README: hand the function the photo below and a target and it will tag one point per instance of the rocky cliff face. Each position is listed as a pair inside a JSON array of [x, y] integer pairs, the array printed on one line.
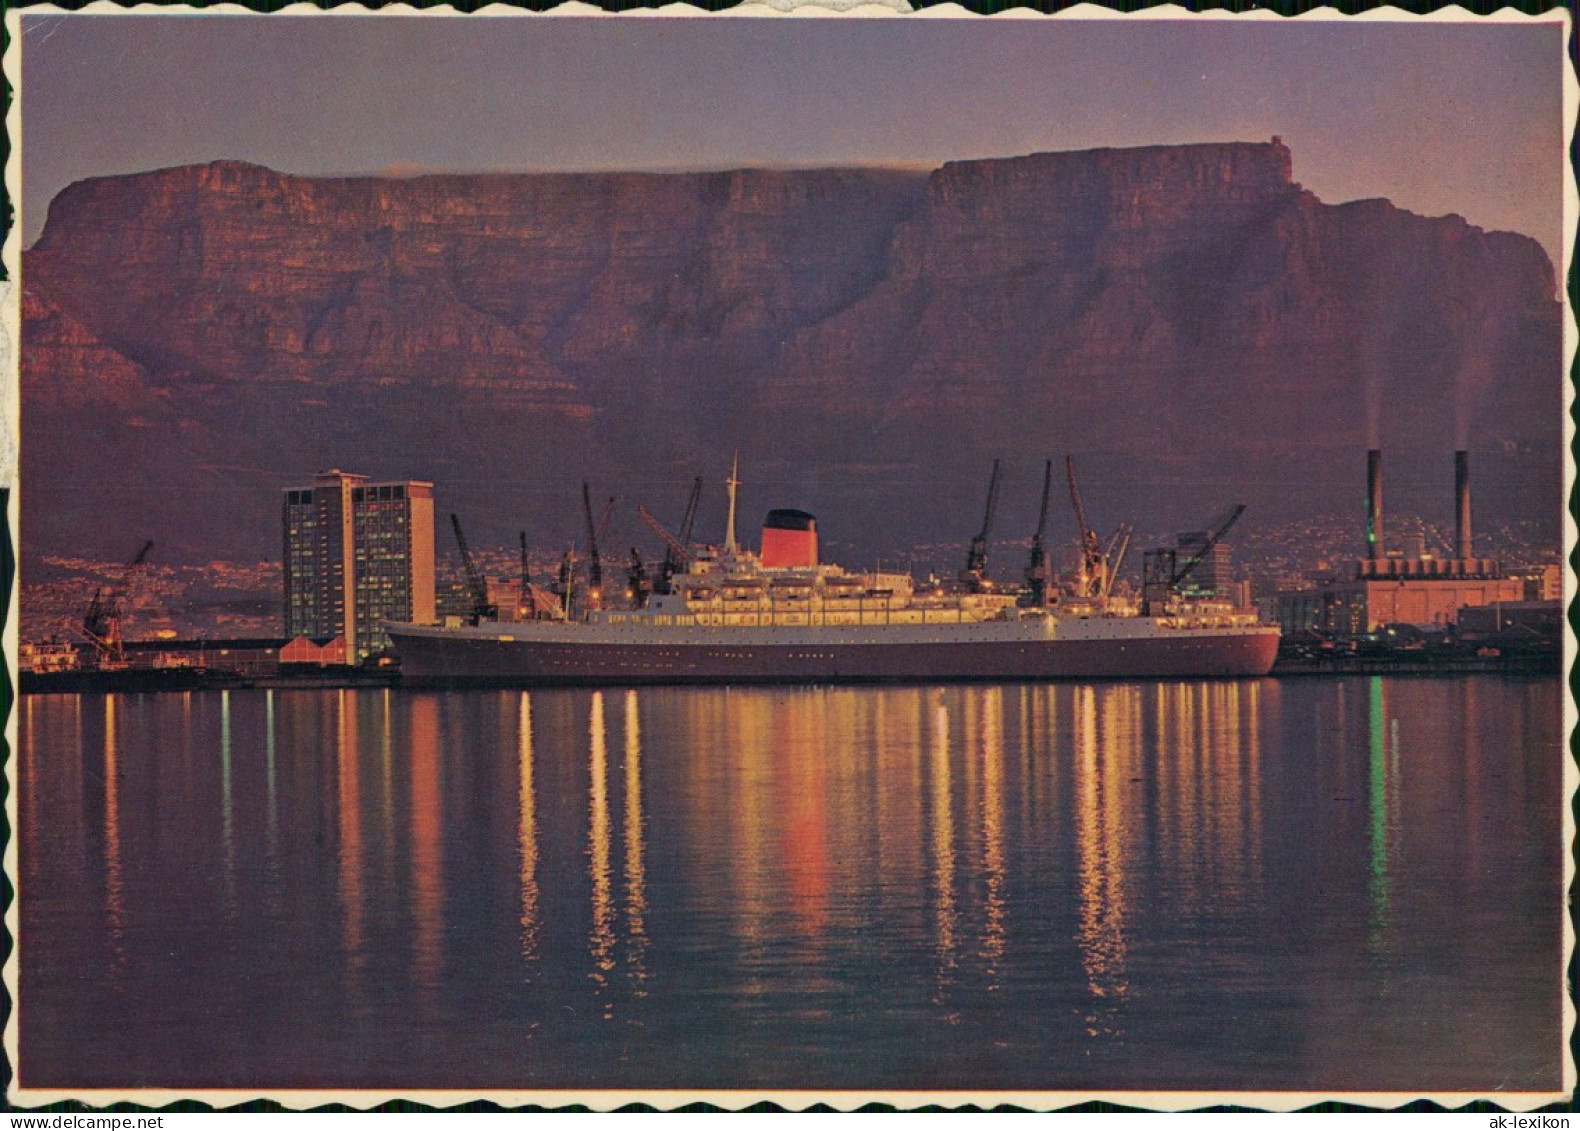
[[1188, 319]]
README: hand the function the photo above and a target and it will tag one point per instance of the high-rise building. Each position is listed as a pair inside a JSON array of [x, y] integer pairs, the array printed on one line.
[[357, 553], [1211, 576]]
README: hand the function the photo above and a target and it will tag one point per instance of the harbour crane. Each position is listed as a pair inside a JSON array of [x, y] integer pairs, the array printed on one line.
[[1037, 567], [690, 519], [1162, 574], [101, 621], [1114, 557], [977, 555], [476, 584], [594, 562], [1220, 528], [536, 603], [636, 580], [678, 556], [1093, 580]]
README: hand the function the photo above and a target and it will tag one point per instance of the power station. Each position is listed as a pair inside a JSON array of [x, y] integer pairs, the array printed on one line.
[[1398, 588]]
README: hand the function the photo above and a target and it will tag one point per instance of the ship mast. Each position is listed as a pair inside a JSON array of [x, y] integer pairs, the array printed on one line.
[[732, 482]]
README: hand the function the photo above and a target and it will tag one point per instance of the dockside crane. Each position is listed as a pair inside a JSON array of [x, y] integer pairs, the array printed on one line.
[[690, 518], [637, 581], [1162, 574], [101, 621], [476, 584], [977, 555], [594, 561], [678, 555], [1093, 581], [1114, 557], [535, 603], [677, 551], [1037, 574]]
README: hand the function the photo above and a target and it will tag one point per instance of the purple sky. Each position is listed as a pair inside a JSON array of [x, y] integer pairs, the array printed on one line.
[[1459, 117]]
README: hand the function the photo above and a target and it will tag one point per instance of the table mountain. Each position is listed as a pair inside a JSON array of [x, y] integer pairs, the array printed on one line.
[[1191, 322]]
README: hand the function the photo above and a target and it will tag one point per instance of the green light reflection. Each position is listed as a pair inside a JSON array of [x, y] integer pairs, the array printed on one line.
[[1377, 813]]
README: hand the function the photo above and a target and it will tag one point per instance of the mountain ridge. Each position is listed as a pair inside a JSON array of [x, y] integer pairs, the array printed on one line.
[[1171, 312]]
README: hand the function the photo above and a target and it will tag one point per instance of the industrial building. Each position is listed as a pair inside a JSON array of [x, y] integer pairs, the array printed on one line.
[[357, 553], [1387, 589]]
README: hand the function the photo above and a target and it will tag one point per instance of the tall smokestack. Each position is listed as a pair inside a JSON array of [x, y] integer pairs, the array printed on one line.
[[1462, 506], [1374, 515]]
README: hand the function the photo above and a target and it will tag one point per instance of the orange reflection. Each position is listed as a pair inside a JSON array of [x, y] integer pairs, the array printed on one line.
[[944, 913], [527, 835], [993, 829], [66, 774], [970, 731], [1187, 773], [1208, 837], [1251, 774], [1221, 757], [350, 824], [806, 812], [635, 879], [114, 894], [900, 723], [427, 846], [601, 940], [1047, 719], [735, 723], [1100, 934], [1027, 779], [1164, 758], [802, 790]]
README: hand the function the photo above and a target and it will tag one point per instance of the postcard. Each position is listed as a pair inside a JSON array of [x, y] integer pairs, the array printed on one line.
[[871, 557]]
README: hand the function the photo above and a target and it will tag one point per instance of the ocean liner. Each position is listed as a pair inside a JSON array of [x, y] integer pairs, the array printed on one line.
[[726, 615]]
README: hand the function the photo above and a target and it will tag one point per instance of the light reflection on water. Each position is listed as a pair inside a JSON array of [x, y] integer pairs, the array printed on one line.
[[1323, 884], [993, 831], [943, 854], [635, 874], [1102, 884], [427, 849], [528, 835], [351, 849], [601, 941], [114, 911]]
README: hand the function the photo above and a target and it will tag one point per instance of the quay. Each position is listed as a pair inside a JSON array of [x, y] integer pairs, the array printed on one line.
[[150, 680]]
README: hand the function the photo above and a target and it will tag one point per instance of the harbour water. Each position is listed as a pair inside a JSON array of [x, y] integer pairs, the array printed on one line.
[[1317, 884]]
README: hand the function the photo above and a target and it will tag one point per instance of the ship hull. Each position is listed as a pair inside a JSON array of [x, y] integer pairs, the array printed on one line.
[[452, 658]]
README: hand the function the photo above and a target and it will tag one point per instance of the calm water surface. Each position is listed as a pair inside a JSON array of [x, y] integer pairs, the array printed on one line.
[[1319, 884]]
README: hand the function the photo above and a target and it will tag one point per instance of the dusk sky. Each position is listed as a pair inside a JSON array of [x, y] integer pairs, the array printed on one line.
[[1439, 118]]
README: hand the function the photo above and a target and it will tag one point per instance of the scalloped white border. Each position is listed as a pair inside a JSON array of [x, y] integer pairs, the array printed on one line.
[[10, 308]]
